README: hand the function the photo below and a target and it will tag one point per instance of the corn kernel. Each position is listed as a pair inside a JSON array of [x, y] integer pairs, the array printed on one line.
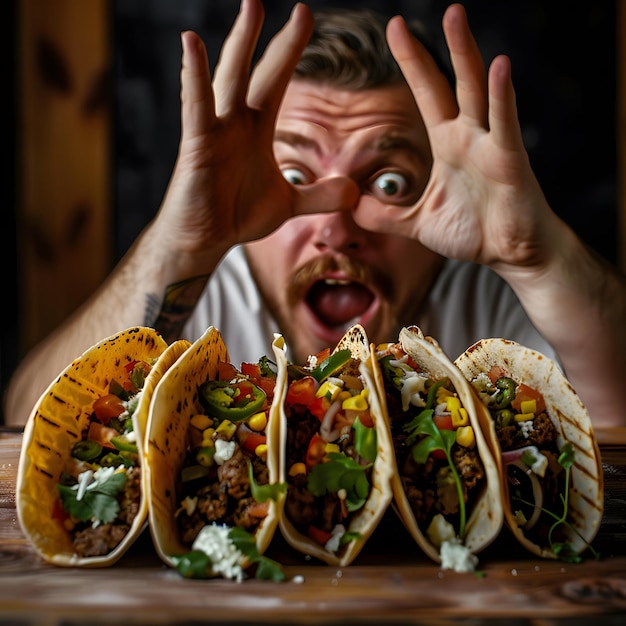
[[207, 442], [227, 428], [201, 422], [442, 395], [261, 451], [524, 417], [460, 417], [258, 421], [328, 388], [297, 468], [356, 403], [208, 433], [331, 447], [528, 406], [465, 437], [344, 395], [452, 403]]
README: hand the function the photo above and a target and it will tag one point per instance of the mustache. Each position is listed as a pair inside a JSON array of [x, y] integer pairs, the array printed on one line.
[[304, 276]]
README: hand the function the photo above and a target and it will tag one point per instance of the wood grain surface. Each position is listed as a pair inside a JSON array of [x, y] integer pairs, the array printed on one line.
[[391, 582]]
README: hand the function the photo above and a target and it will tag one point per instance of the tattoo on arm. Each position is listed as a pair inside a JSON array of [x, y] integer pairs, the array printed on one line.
[[170, 314]]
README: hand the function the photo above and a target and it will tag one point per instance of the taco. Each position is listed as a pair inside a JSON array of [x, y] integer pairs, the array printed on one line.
[[214, 497], [446, 488], [80, 496], [543, 442], [335, 452]]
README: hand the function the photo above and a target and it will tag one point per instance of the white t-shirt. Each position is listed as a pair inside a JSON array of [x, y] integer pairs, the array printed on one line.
[[468, 302]]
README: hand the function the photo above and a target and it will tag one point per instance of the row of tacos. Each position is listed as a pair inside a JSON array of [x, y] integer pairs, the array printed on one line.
[[215, 458]]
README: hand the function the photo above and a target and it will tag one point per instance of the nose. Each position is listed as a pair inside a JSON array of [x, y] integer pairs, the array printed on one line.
[[338, 232]]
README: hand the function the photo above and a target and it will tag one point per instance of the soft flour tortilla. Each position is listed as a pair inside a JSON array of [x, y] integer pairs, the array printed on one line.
[[57, 423], [365, 521], [572, 422], [485, 520], [175, 402]]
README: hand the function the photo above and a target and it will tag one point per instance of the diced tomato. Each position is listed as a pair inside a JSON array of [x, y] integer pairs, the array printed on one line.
[[226, 371], [302, 391], [252, 370], [315, 452], [524, 392], [57, 511], [443, 422], [249, 439], [318, 535], [440, 455], [322, 355], [267, 384], [246, 392], [495, 372], [129, 367], [365, 417], [107, 407], [319, 406], [101, 434]]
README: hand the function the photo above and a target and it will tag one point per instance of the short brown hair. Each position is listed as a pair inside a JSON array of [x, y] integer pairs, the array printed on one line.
[[348, 49]]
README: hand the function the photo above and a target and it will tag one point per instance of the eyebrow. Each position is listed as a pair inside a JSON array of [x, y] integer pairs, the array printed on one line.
[[380, 144], [294, 139]]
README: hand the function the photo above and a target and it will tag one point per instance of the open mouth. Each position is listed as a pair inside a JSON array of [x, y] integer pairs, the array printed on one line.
[[338, 303]]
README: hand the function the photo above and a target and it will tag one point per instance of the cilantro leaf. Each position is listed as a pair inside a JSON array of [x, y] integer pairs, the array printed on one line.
[[99, 500], [262, 493], [341, 472]]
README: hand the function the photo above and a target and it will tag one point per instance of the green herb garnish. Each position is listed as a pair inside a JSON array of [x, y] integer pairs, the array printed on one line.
[[432, 438], [563, 550], [340, 472]]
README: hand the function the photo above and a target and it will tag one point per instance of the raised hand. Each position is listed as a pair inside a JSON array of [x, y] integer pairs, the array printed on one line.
[[226, 187], [482, 202]]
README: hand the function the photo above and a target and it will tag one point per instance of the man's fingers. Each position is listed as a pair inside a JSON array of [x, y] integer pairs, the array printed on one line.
[[196, 94], [233, 67], [430, 87], [276, 67], [468, 65], [336, 193], [503, 119]]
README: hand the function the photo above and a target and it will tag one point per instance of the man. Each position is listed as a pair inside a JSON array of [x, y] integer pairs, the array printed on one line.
[[350, 204]]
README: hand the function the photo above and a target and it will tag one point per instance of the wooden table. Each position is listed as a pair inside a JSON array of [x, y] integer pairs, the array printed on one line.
[[391, 582]]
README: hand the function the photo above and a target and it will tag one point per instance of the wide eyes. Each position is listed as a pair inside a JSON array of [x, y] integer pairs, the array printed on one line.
[[387, 187], [390, 186], [294, 176]]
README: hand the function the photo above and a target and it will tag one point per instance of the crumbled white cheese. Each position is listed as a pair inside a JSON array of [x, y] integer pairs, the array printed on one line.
[[413, 385], [225, 558], [539, 462], [440, 530], [223, 450], [332, 545], [526, 427], [131, 436], [457, 557]]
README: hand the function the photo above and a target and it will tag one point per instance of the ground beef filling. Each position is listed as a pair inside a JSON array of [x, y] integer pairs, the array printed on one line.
[[430, 487], [302, 508], [544, 436], [90, 541], [224, 497]]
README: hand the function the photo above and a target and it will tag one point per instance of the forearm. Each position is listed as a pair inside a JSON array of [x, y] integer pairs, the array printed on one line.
[[147, 288], [579, 304]]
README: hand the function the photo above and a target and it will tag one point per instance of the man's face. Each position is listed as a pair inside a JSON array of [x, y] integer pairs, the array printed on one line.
[[321, 273]]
